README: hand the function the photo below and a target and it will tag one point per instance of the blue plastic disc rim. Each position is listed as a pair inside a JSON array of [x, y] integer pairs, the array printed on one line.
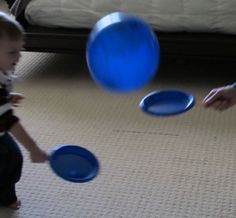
[[186, 100], [82, 153]]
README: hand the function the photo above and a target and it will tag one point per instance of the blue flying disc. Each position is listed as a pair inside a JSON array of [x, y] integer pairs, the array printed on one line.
[[74, 163], [167, 102]]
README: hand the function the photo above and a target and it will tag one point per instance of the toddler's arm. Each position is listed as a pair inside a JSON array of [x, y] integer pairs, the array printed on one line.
[[37, 155]]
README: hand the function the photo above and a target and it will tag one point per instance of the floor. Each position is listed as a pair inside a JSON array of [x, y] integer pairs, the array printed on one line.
[[181, 166]]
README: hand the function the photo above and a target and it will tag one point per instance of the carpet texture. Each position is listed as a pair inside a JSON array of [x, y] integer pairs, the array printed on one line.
[[177, 167], [181, 166]]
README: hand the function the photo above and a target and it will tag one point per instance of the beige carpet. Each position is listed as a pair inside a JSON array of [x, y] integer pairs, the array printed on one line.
[[176, 167], [182, 166]]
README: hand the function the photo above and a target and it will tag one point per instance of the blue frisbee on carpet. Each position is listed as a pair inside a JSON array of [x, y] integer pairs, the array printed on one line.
[[74, 163], [122, 53], [167, 102]]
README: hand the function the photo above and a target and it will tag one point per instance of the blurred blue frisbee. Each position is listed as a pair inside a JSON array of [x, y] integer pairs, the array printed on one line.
[[167, 102], [74, 163]]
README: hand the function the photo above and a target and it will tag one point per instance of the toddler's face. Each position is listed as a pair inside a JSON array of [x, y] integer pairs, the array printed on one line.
[[9, 53]]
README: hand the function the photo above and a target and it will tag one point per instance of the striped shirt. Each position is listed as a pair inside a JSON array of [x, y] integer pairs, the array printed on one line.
[[7, 118]]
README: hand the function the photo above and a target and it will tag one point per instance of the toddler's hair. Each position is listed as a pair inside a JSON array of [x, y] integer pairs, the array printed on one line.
[[10, 28]]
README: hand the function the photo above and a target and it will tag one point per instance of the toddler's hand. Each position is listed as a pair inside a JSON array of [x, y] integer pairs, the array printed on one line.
[[16, 98]]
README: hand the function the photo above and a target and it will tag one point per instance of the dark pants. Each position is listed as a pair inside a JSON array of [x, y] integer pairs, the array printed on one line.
[[11, 161]]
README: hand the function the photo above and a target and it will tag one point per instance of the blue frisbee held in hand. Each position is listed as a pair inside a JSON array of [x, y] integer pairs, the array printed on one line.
[[167, 102], [74, 163], [122, 53]]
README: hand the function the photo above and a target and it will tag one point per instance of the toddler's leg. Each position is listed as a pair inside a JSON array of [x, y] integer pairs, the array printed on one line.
[[11, 161]]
